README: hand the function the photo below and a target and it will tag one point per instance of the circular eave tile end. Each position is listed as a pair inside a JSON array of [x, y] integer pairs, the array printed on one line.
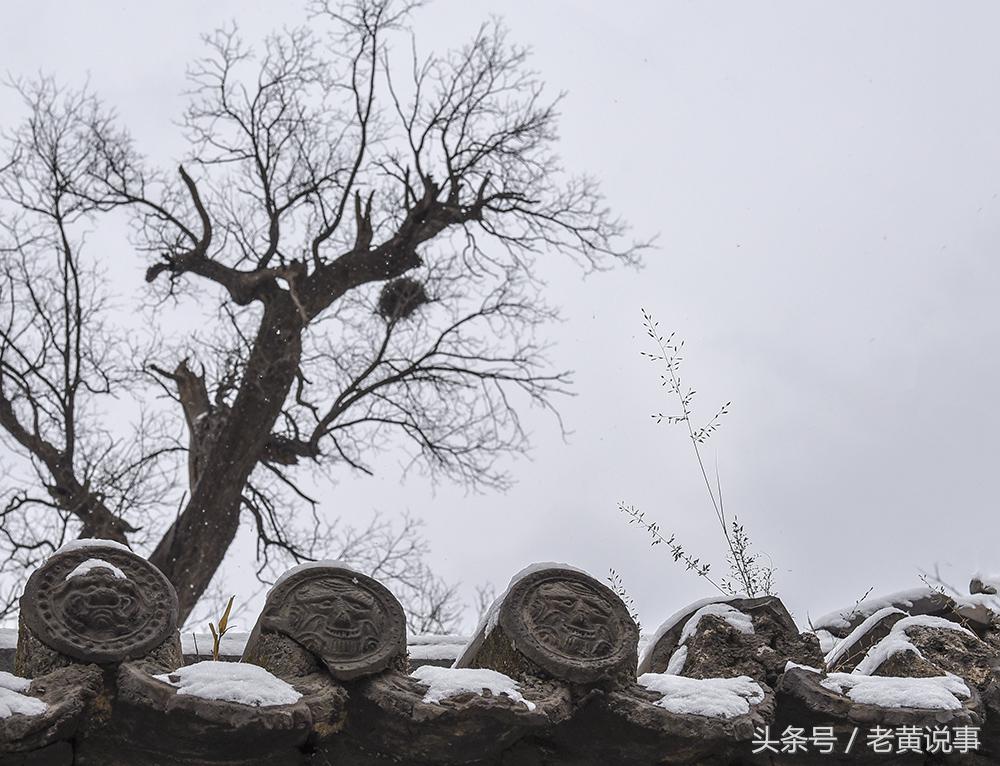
[[570, 625]]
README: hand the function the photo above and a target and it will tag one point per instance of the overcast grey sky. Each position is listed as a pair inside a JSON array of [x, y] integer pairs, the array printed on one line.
[[824, 181]]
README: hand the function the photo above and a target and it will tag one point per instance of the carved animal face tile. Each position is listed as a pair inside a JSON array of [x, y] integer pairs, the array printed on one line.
[[571, 620], [100, 605], [570, 625], [342, 618], [351, 622], [99, 615]]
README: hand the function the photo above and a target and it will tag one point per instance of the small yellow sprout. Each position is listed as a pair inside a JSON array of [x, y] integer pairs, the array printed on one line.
[[223, 627]]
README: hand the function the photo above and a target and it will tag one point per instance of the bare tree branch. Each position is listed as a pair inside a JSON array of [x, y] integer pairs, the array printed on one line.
[[317, 185]]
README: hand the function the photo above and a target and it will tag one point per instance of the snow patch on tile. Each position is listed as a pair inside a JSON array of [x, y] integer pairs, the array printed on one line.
[[934, 693], [713, 697], [335, 563], [13, 702], [978, 607], [674, 619], [435, 651], [852, 638], [675, 666], [92, 542], [91, 564], [13, 683], [792, 665], [436, 646], [734, 617], [436, 638], [694, 613], [443, 683], [238, 682], [841, 619], [827, 641]]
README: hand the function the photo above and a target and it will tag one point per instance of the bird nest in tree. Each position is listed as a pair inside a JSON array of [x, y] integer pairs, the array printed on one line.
[[401, 297]]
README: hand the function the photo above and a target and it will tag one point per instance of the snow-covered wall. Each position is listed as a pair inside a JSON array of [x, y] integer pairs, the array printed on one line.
[[98, 674]]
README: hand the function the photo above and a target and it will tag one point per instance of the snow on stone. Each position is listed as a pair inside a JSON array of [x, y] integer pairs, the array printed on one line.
[[675, 618], [789, 665], [644, 639], [675, 666], [715, 697], [827, 641], [309, 565], [897, 641], [991, 581], [436, 638], [852, 638], [92, 542], [435, 647], [978, 607], [13, 702], [443, 683], [90, 564], [734, 617], [238, 682], [842, 618], [8, 638], [13, 683], [435, 651], [934, 693]]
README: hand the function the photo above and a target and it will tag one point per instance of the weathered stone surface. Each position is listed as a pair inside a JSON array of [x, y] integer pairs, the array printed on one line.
[[67, 693], [388, 716], [992, 640], [982, 585], [98, 615], [943, 651], [804, 702], [282, 656], [347, 620], [327, 702], [717, 649], [847, 656], [980, 612], [919, 601], [56, 754], [643, 732], [549, 633], [190, 729], [34, 658], [558, 623], [990, 734]]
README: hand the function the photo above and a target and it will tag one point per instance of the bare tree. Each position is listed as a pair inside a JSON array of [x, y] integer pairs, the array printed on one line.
[[361, 235], [393, 552]]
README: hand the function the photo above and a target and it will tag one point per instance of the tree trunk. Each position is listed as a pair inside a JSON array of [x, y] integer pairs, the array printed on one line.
[[195, 545]]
